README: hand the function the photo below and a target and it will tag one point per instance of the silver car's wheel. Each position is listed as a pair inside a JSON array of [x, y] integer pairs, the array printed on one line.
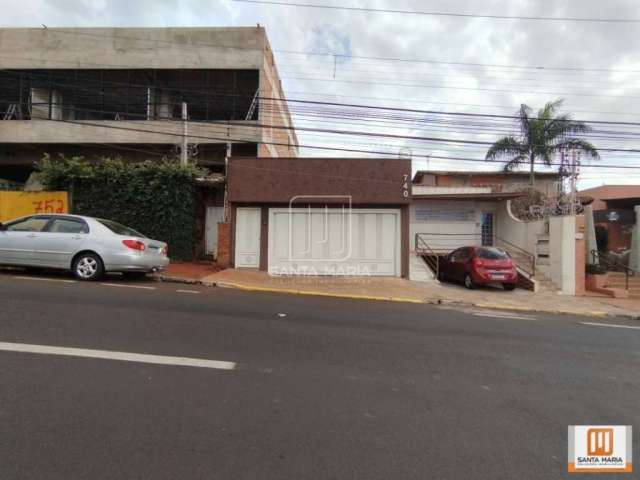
[[88, 266]]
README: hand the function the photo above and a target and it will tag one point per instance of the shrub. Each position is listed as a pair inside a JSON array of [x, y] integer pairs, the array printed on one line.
[[155, 197]]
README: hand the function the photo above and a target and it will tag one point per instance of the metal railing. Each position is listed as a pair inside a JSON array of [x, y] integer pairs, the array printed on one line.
[[529, 264], [613, 266], [441, 244], [431, 258]]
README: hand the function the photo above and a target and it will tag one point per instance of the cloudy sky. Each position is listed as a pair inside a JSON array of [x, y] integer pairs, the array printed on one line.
[[450, 64]]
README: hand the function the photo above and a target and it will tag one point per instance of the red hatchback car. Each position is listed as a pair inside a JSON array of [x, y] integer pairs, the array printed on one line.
[[479, 266]]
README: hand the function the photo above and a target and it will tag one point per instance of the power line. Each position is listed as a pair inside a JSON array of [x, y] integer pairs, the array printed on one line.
[[224, 93], [441, 14], [433, 102], [332, 54], [348, 71], [355, 63], [372, 134], [316, 147], [446, 87]]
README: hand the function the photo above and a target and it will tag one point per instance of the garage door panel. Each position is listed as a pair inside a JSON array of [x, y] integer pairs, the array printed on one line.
[[319, 247], [337, 244], [332, 243], [387, 240], [279, 222], [300, 241]]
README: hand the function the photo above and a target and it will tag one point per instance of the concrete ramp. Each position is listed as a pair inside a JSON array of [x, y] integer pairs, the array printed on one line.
[[419, 271]]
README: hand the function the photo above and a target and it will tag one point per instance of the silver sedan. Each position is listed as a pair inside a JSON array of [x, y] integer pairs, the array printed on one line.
[[87, 246]]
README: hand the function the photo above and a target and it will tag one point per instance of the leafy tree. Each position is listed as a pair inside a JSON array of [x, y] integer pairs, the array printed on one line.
[[541, 137]]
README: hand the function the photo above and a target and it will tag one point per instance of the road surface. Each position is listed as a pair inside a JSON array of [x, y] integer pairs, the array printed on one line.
[[149, 380]]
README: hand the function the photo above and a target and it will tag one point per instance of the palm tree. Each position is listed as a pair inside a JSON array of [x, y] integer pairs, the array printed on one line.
[[540, 138]]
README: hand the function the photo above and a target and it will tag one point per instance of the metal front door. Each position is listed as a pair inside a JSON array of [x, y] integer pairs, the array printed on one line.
[[486, 229], [247, 238]]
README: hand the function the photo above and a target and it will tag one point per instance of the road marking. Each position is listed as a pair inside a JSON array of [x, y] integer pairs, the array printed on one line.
[[45, 279], [502, 315], [187, 291], [127, 286], [122, 356], [611, 325]]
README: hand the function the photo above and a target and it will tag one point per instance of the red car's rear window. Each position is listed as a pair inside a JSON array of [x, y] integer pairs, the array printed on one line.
[[492, 254]]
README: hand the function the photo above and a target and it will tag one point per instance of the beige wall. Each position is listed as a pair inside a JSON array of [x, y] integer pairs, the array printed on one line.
[[233, 48], [521, 234], [460, 232], [94, 131], [281, 141]]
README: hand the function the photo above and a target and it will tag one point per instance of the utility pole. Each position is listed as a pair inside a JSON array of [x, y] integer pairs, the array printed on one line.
[[226, 182], [575, 168], [184, 150]]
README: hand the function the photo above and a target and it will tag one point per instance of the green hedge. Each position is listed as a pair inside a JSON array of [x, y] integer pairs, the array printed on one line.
[[156, 198]]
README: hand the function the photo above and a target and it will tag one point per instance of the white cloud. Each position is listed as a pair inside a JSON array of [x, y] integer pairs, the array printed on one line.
[[485, 41]]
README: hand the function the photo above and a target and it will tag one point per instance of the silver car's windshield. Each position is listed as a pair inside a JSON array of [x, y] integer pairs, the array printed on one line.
[[119, 229]]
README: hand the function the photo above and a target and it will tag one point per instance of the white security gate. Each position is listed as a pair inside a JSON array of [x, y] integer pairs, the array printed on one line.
[[356, 242], [247, 238]]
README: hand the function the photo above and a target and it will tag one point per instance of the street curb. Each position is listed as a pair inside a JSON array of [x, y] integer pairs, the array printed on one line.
[[426, 301], [315, 293], [186, 281], [514, 308]]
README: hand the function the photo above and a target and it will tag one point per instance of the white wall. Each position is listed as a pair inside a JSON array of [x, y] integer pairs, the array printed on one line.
[[448, 217], [562, 255], [515, 231]]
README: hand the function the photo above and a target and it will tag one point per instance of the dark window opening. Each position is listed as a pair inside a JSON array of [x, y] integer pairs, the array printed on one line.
[[128, 94]]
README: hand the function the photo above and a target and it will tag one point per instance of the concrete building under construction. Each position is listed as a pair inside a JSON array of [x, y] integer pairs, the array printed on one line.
[[109, 91], [120, 92]]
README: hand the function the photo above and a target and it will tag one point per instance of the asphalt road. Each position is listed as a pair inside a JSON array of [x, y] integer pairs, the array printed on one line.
[[321, 389]]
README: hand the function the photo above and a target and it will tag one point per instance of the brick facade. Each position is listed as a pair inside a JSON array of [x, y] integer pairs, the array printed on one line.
[[224, 244]]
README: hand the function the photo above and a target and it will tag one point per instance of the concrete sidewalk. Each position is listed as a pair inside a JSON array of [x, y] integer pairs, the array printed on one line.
[[397, 289]]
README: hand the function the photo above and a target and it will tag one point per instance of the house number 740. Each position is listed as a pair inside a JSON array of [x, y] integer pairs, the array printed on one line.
[[405, 185]]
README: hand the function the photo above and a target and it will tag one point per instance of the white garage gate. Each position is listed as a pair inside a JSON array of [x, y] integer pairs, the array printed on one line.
[[334, 241]]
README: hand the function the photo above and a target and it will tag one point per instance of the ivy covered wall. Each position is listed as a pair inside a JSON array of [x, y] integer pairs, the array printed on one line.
[[157, 198]]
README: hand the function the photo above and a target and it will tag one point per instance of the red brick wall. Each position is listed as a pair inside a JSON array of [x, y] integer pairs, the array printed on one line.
[[619, 236], [224, 244], [274, 114]]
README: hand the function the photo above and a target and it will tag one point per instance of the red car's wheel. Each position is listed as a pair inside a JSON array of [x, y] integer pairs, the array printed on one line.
[[469, 283]]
